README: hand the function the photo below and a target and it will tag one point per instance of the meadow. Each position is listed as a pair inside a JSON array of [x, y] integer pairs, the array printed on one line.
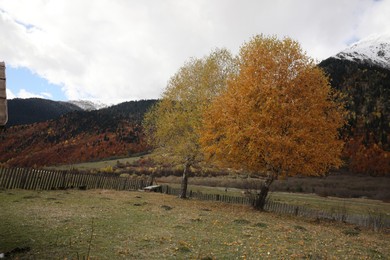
[[337, 184], [108, 224]]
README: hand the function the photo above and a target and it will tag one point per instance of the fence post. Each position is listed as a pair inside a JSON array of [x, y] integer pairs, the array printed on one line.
[[24, 179], [9, 178], [63, 184], [13, 178], [1, 176]]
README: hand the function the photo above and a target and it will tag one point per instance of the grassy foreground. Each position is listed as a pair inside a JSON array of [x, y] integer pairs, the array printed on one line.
[[106, 224]]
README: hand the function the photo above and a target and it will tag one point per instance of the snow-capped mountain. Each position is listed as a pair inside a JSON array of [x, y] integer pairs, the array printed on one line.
[[361, 73], [373, 50], [88, 105]]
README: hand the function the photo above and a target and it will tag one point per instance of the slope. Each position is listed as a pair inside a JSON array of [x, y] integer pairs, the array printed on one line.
[[78, 136], [365, 80], [33, 110]]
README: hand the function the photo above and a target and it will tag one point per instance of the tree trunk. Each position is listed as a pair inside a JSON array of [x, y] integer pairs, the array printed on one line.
[[184, 181], [261, 197]]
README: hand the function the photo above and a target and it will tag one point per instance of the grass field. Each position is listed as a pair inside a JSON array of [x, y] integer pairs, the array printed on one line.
[[342, 185], [95, 165], [359, 206], [106, 224]]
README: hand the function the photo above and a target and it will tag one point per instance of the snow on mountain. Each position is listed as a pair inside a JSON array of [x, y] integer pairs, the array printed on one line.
[[373, 50], [88, 105]]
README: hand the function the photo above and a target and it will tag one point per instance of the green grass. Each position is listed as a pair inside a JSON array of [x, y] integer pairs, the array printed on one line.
[[137, 225], [95, 165], [360, 206], [208, 190], [330, 204]]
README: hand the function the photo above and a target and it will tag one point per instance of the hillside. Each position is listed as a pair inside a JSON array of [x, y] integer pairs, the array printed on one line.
[[34, 110], [361, 74], [373, 50], [76, 137]]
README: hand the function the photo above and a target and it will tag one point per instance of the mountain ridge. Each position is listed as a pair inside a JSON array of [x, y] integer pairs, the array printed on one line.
[[374, 50], [35, 110], [88, 105], [24, 111], [365, 82]]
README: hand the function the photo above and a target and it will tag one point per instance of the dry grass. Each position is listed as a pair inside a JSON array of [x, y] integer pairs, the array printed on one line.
[[91, 166], [135, 225], [342, 185], [360, 206]]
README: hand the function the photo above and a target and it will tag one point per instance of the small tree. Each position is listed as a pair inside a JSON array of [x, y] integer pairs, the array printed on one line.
[[172, 126], [278, 117]]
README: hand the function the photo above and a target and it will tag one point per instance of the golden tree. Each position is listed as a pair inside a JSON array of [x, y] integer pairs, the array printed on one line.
[[278, 116], [173, 125]]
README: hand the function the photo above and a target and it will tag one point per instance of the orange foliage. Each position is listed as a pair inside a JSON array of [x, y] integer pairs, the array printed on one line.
[[370, 159], [34, 145], [278, 116]]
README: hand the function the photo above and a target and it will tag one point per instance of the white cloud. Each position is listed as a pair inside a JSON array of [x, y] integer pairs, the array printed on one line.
[[26, 94], [23, 93], [46, 95], [10, 94], [124, 50], [375, 20]]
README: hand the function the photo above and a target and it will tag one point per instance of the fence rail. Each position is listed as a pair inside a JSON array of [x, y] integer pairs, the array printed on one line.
[[33, 179]]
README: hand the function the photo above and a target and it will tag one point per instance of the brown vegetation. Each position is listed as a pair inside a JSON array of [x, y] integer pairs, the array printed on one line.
[[76, 137]]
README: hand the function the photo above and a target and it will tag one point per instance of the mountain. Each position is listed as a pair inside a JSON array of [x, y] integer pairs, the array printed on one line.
[[77, 136], [34, 110], [88, 105], [374, 50], [362, 73]]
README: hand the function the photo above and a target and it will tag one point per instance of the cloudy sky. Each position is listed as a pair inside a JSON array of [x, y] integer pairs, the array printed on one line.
[[119, 50]]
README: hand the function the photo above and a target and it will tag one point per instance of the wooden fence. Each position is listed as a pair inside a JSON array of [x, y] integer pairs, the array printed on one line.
[[371, 220], [33, 179]]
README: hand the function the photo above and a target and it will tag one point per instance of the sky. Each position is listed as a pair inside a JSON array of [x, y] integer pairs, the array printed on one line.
[[120, 50]]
